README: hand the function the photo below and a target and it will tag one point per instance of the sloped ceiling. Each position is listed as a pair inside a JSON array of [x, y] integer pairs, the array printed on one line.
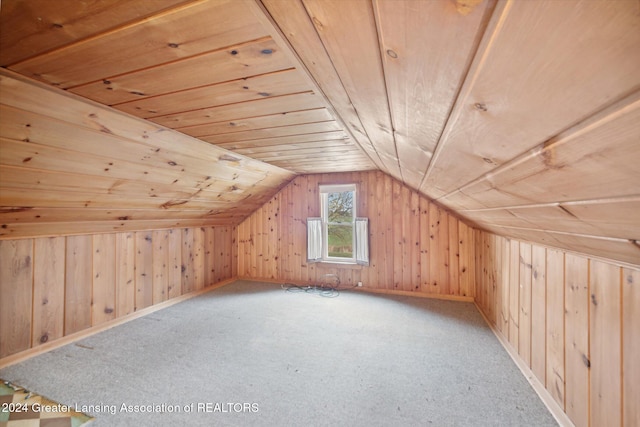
[[521, 116]]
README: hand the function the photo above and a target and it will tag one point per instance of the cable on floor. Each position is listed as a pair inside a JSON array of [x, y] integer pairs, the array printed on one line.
[[324, 289]]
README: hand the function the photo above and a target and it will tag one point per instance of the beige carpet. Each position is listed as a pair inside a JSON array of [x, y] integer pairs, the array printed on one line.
[[252, 354]]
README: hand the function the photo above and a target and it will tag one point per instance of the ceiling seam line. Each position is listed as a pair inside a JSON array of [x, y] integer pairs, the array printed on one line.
[[131, 101], [174, 61], [345, 92], [166, 11], [240, 118], [376, 22], [464, 86]]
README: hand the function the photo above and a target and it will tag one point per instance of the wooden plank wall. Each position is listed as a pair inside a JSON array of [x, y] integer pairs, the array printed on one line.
[[51, 287], [416, 246], [571, 319]]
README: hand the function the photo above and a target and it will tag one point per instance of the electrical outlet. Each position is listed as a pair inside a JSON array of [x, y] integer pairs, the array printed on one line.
[[359, 284]]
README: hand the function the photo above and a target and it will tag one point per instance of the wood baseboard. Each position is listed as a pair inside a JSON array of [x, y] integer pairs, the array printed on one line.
[[371, 290], [68, 339], [556, 411]]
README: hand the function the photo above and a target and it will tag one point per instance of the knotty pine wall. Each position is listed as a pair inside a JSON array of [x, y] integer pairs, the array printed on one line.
[[415, 246], [572, 320], [51, 287]]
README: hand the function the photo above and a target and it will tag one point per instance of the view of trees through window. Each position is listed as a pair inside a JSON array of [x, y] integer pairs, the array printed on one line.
[[340, 224]]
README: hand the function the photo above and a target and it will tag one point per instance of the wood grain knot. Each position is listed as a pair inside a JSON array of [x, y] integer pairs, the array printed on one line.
[[586, 361], [465, 7]]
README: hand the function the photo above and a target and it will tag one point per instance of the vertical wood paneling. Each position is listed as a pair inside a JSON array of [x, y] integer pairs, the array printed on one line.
[[630, 347], [198, 258], [367, 186], [583, 327], [499, 283], [243, 253], [221, 235], [524, 339], [144, 269], [78, 283], [16, 287], [434, 254], [514, 292], [487, 269], [555, 325], [405, 239], [577, 339], [273, 229], [415, 245], [174, 242], [413, 242], [267, 267], [387, 255], [494, 276], [398, 247], [454, 257], [187, 266], [230, 254], [503, 317], [209, 256], [48, 289], [257, 257], [442, 240], [473, 267], [54, 287], [425, 278], [160, 265], [539, 312], [104, 279], [125, 274], [477, 237], [605, 337], [287, 218], [300, 234]]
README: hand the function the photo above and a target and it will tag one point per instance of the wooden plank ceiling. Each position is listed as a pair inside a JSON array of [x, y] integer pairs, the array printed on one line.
[[521, 116]]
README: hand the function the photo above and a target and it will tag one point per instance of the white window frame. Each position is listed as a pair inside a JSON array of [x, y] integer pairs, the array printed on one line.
[[324, 206], [317, 231]]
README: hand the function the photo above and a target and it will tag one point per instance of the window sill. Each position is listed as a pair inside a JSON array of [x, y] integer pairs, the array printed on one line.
[[337, 264]]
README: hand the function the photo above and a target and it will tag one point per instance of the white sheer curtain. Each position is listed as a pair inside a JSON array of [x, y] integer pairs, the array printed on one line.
[[314, 239], [362, 241]]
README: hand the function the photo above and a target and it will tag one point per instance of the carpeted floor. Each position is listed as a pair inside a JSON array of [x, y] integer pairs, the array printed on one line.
[[251, 354]]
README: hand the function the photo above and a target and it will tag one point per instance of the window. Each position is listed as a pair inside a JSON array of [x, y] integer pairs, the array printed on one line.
[[338, 236], [338, 219]]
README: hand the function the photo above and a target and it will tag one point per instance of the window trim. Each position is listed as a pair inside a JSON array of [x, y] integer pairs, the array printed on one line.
[[324, 191]]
